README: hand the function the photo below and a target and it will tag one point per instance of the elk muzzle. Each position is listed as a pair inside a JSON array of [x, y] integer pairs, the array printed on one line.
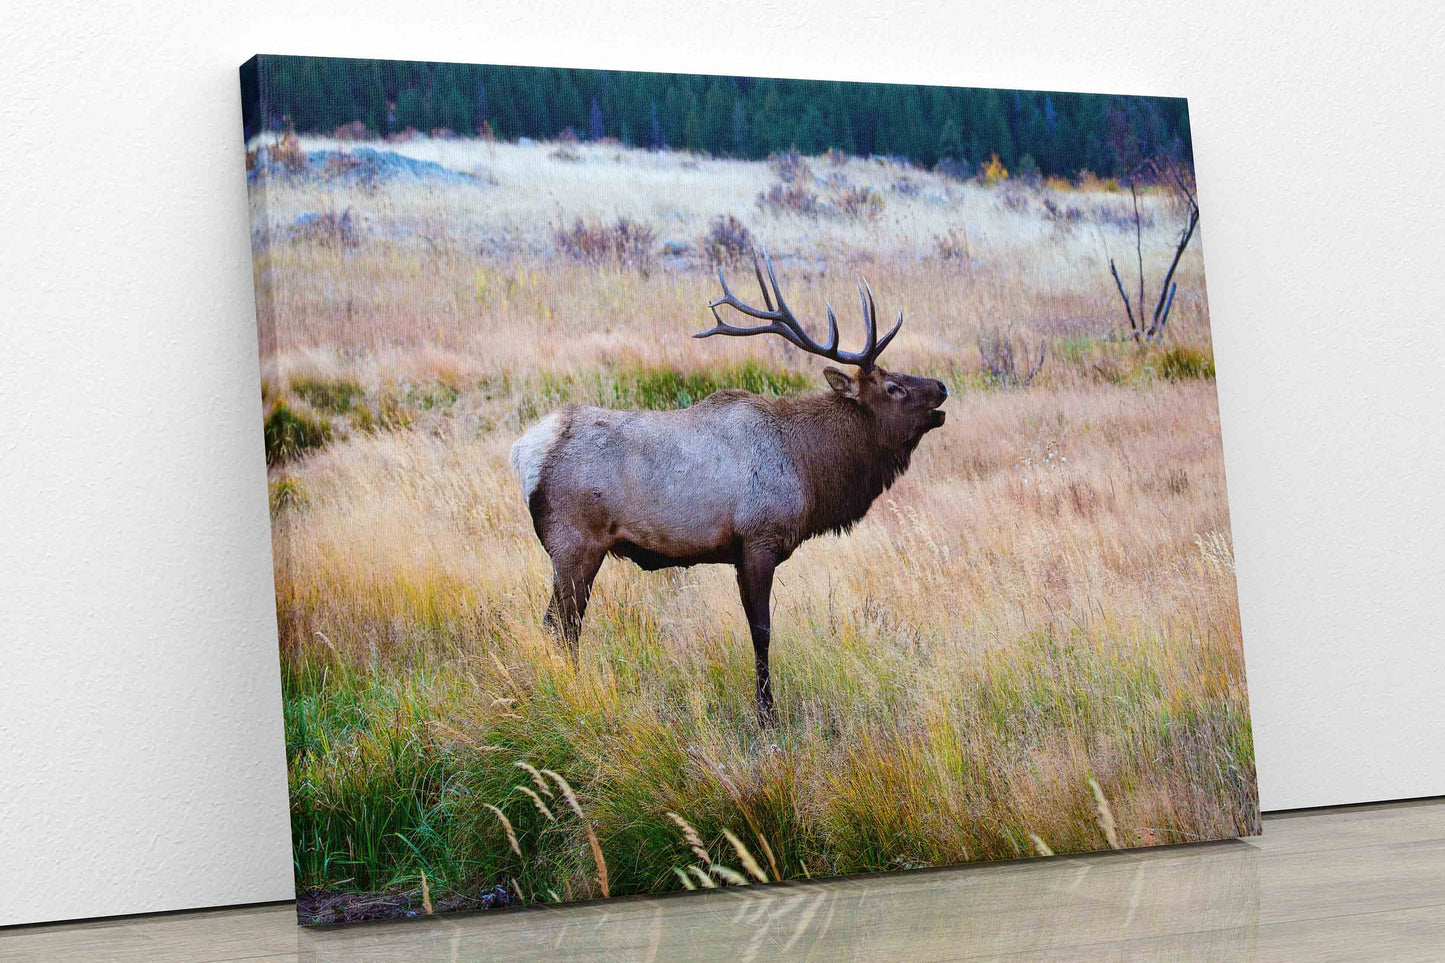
[[938, 417]]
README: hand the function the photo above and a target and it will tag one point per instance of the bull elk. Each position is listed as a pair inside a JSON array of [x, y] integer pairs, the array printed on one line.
[[737, 479]]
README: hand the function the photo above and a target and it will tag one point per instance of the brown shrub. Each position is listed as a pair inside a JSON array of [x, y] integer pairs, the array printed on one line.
[[1008, 365], [785, 198], [1063, 217], [340, 163], [906, 186], [1013, 195], [626, 243], [355, 130], [288, 153], [726, 242], [857, 202], [952, 246], [954, 169], [329, 229], [789, 166]]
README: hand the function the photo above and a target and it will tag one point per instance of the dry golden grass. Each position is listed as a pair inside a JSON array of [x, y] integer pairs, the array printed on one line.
[[1042, 609]]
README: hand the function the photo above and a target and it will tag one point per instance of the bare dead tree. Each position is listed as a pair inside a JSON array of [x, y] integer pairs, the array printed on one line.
[[1163, 169]]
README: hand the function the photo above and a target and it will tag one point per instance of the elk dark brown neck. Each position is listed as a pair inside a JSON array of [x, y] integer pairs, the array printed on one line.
[[843, 456]]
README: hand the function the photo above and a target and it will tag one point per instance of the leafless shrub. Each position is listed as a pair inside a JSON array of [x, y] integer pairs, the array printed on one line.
[[340, 163], [355, 130], [1119, 215], [1013, 195], [1065, 217], [626, 243], [1001, 360], [906, 187], [954, 169], [288, 153], [566, 149], [727, 241], [952, 246], [786, 198], [328, 228], [856, 202], [790, 167]]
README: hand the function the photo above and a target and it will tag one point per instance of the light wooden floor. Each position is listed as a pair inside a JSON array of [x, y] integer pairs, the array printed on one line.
[[1344, 884]]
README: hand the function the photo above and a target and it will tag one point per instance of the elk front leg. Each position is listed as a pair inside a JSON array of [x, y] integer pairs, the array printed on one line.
[[573, 570], [755, 583]]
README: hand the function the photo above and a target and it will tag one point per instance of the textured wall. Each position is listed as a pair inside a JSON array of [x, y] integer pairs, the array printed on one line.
[[140, 732]]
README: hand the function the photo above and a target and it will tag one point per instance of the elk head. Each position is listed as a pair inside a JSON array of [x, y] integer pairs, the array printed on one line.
[[904, 406]]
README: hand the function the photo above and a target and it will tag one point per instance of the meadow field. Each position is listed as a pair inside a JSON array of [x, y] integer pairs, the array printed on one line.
[[1030, 644]]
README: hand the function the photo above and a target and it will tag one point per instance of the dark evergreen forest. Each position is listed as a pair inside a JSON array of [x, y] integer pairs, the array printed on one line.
[[747, 117]]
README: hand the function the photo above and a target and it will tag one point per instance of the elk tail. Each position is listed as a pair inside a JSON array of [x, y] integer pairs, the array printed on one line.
[[529, 453]]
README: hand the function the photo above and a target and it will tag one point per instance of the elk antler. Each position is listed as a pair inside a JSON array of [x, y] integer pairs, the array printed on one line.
[[781, 321]]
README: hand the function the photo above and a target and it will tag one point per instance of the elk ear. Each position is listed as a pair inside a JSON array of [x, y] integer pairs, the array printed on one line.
[[841, 383]]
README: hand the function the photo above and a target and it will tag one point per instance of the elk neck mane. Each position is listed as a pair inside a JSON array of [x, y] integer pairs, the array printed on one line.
[[842, 453]]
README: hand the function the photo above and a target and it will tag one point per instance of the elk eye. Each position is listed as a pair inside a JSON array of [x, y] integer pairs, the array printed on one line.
[[895, 391]]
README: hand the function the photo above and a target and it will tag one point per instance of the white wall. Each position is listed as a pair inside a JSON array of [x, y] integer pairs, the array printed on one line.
[[140, 734]]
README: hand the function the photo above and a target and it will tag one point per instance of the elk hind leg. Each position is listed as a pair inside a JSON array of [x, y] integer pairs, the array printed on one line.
[[574, 567]]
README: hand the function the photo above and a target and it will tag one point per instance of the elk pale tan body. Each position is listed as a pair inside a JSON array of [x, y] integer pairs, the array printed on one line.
[[738, 478]]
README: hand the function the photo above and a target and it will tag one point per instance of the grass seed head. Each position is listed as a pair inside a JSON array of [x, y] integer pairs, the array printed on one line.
[[537, 779], [537, 801], [568, 795], [703, 879], [506, 825], [1106, 816], [690, 835], [745, 857], [728, 875]]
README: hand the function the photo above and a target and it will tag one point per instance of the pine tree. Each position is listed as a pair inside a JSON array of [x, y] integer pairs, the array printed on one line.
[[692, 135], [746, 117], [812, 132], [595, 130], [659, 139], [742, 141], [716, 116], [950, 140], [411, 109]]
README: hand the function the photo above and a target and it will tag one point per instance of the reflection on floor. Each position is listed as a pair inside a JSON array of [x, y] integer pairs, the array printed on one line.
[[1352, 883]]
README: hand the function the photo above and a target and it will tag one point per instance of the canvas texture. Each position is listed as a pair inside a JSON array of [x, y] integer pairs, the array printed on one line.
[[626, 541]]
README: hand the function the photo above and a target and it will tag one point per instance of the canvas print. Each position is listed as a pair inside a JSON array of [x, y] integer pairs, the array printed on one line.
[[684, 482]]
